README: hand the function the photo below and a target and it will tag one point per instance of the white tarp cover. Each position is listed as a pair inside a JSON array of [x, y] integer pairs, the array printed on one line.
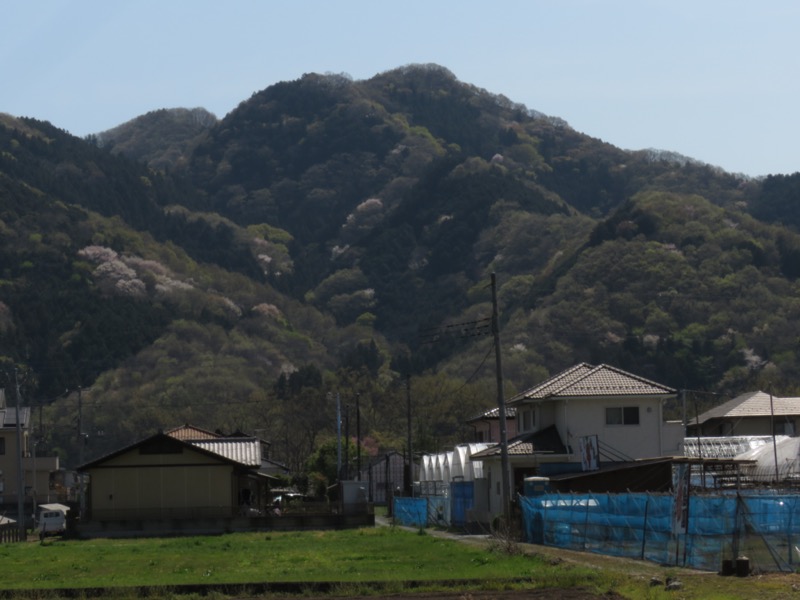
[[55, 506], [787, 450]]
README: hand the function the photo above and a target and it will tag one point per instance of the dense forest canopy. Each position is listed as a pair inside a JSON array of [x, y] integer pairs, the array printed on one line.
[[240, 273]]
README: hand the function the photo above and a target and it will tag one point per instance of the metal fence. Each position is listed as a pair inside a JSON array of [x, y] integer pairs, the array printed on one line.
[[184, 513], [701, 533], [9, 533]]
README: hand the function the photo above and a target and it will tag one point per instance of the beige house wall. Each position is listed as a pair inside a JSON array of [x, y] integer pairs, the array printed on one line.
[[545, 415], [588, 417], [744, 426], [9, 464], [136, 458], [166, 485]]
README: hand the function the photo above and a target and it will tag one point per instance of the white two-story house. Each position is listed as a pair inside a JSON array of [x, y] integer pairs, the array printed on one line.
[[583, 419]]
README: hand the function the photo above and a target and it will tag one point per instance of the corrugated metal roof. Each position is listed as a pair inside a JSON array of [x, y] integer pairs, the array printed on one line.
[[751, 404], [246, 451], [584, 380]]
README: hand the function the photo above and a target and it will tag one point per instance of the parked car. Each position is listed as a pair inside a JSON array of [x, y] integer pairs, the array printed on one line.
[[52, 519]]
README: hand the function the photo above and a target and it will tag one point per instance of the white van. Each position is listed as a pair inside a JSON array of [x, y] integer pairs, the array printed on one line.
[[52, 519]]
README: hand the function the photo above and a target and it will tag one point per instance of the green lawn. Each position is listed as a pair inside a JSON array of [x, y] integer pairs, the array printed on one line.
[[368, 561], [373, 554]]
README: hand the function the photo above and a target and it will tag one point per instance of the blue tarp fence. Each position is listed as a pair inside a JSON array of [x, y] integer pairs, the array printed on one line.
[[436, 510], [762, 526], [410, 512]]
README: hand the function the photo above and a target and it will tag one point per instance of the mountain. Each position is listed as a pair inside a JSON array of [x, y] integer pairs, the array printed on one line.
[[163, 139], [328, 237]]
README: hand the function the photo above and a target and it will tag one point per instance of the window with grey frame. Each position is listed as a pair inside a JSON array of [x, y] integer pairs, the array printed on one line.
[[622, 415]]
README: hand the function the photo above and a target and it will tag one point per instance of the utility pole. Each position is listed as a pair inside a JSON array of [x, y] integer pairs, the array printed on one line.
[[501, 405], [20, 472], [347, 442], [81, 441], [338, 436], [772, 428], [410, 472], [358, 436], [33, 485]]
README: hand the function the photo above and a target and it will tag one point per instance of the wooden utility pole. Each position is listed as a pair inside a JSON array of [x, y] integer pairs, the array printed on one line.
[[20, 471], [81, 443], [410, 472], [338, 436], [358, 436], [501, 406]]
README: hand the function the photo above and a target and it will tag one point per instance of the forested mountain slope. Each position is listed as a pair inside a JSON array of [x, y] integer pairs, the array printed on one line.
[[239, 273], [163, 139]]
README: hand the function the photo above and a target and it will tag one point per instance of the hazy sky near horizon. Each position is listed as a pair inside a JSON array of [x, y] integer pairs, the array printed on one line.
[[715, 80]]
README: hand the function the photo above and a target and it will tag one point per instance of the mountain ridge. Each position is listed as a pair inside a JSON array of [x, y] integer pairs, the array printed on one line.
[[310, 235]]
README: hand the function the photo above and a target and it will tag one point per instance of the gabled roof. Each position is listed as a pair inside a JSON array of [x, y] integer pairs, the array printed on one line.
[[545, 441], [246, 451], [751, 404], [190, 432], [8, 416], [584, 380], [492, 414], [161, 439]]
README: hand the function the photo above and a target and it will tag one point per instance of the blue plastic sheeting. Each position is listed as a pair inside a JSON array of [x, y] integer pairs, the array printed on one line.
[[462, 498], [410, 512], [438, 511], [764, 526]]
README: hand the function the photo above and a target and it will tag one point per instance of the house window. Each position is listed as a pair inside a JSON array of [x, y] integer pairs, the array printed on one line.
[[2, 446], [622, 415], [784, 428], [528, 419]]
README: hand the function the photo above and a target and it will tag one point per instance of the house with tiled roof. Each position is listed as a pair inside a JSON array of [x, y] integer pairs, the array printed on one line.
[[580, 419], [487, 425], [750, 414]]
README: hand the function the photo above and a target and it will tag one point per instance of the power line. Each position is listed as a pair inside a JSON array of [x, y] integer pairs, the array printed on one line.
[[465, 329]]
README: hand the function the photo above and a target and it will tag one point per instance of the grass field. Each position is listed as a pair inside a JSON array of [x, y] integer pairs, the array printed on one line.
[[364, 561], [372, 554]]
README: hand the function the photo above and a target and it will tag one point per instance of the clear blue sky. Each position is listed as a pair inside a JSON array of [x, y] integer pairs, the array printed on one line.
[[716, 80]]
